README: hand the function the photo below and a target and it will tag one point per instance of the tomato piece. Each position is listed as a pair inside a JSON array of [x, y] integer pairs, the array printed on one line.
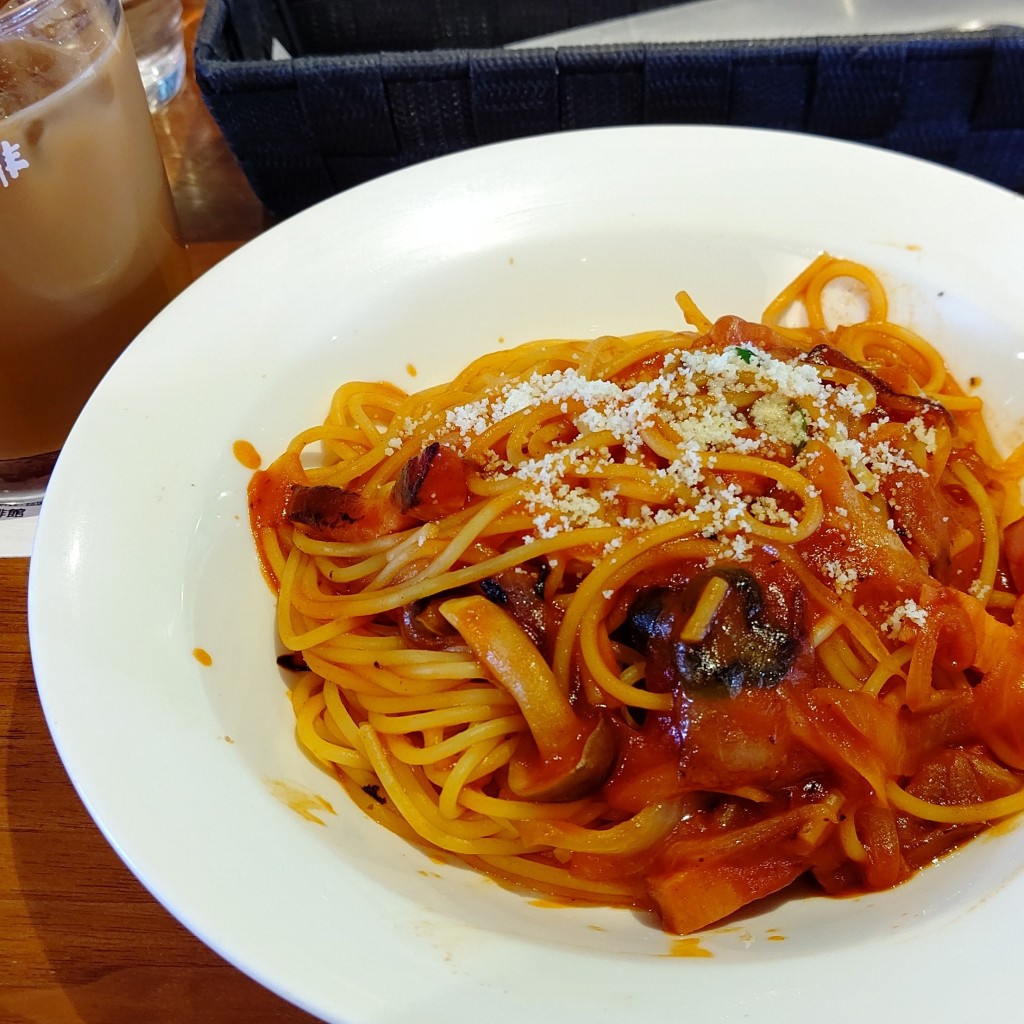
[[432, 485], [999, 699], [921, 515], [742, 741], [268, 494], [853, 534], [876, 829], [735, 332], [648, 769], [851, 732], [962, 776], [698, 895], [269, 491], [709, 872]]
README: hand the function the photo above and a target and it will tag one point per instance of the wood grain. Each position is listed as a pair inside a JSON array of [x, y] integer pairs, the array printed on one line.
[[81, 941]]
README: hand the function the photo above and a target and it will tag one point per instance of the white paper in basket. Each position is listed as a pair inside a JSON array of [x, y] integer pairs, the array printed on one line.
[[786, 19]]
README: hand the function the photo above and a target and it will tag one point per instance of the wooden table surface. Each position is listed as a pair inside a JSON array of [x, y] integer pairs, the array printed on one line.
[[81, 941]]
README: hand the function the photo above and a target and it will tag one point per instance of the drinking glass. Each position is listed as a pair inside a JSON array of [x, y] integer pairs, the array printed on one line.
[[90, 245], [156, 31]]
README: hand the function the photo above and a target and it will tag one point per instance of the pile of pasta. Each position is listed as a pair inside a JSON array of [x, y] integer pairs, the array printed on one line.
[[667, 621]]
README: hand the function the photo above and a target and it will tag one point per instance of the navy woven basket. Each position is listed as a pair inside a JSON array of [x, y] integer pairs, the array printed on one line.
[[375, 85]]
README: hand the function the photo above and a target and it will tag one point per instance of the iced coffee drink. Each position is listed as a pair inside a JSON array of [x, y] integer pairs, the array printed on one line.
[[91, 250]]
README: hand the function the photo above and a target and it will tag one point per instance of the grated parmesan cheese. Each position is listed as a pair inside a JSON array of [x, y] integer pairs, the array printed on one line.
[[736, 401], [907, 613], [844, 578]]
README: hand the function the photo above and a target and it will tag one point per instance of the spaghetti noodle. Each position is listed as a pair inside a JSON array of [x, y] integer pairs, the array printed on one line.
[[668, 620]]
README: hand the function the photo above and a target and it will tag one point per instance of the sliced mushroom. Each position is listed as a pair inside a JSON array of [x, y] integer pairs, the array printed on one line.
[[898, 405], [569, 756], [520, 591], [335, 514], [324, 507], [422, 626], [293, 661], [740, 647]]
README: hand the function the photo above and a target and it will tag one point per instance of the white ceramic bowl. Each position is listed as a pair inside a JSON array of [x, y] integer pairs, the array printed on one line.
[[143, 554]]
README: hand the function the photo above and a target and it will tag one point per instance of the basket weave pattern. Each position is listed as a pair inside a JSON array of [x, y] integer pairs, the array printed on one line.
[[365, 98]]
